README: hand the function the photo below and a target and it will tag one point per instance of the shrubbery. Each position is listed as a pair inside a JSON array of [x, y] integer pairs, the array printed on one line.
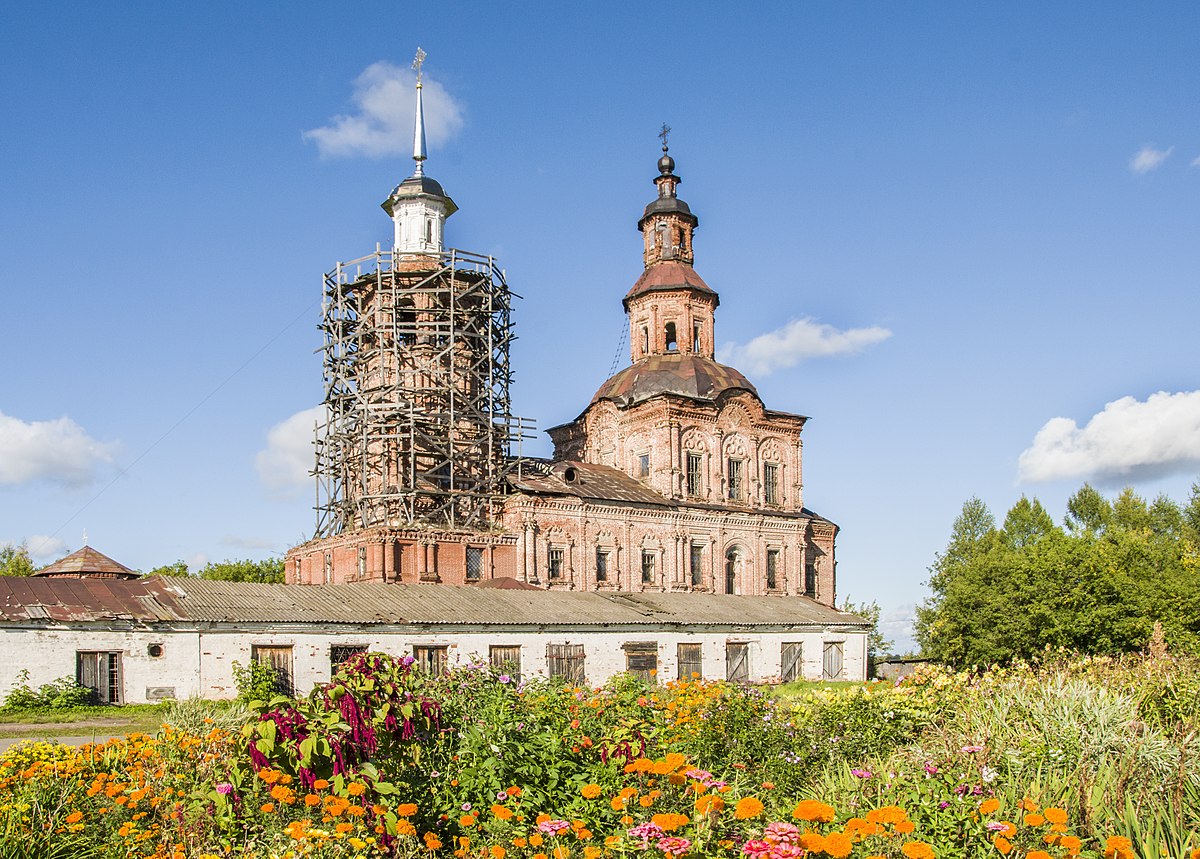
[[61, 694]]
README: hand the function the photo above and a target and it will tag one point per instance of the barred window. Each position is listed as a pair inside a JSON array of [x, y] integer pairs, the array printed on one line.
[[474, 563], [648, 561], [556, 562], [772, 569], [733, 473], [696, 564], [602, 565], [694, 463], [771, 483]]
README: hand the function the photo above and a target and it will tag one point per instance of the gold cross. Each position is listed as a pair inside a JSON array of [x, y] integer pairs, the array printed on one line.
[[417, 62]]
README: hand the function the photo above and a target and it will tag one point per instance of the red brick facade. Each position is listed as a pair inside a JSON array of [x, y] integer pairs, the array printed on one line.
[[674, 478]]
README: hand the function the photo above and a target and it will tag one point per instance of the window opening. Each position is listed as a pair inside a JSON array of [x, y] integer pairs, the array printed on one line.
[[733, 472], [556, 562], [643, 465], [694, 464], [696, 564], [362, 562], [641, 660], [672, 340], [645, 340], [566, 661], [100, 671], [506, 658], [810, 580], [696, 337], [772, 569], [648, 566], [279, 659], [328, 567], [339, 653], [602, 565], [731, 564], [689, 661], [474, 563], [771, 483], [430, 659]]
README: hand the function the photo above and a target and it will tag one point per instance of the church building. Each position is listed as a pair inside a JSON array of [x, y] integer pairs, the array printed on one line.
[[675, 477]]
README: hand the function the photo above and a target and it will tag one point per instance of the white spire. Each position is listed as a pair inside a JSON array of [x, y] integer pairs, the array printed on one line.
[[419, 130]]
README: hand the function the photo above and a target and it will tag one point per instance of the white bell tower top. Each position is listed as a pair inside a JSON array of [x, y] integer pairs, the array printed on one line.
[[418, 205]]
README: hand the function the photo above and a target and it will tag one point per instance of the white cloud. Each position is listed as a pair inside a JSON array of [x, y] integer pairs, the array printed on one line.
[[1128, 439], [896, 625], [1148, 158], [284, 464], [45, 549], [59, 451], [385, 102], [1196, 162], [798, 341]]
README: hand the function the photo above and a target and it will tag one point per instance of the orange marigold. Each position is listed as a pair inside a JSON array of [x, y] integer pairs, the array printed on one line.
[[669, 822], [917, 850], [406, 809], [590, 791], [356, 788], [562, 851], [1037, 854], [905, 827], [646, 801], [466, 820], [592, 852], [502, 812], [747, 807], [813, 842], [343, 828], [1073, 845], [1118, 847], [838, 845], [1056, 815], [813, 811], [432, 842], [1002, 844], [497, 851], [1034, 820], [989, 805]]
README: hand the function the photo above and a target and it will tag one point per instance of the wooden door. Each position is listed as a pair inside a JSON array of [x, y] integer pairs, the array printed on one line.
[[831, 668], [737, 662], [278, 658], [791, 660]]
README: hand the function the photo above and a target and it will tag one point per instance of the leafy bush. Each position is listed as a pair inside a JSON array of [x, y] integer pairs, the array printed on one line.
[[255, 682], [61, 694]]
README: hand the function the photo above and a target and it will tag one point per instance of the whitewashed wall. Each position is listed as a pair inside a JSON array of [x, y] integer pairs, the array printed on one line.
[[201, 662]]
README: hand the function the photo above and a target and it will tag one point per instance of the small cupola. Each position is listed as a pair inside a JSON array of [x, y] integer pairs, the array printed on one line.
[[667, 223], [419, 206]]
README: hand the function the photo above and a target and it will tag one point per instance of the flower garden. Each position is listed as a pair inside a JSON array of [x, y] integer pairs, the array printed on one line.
[[1082, 757]]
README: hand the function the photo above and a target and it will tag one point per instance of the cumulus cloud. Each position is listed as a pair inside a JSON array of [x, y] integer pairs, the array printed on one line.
[[59, 451], [44, 549], [1128, 439], [1148, 158], [798, 341], [382, 123], [284, 464], [896, 625]]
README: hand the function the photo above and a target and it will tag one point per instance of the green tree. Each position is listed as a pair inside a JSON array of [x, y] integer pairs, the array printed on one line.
[[269, 571], [15, 561], [1088, 511], [870, 611], [177, 570]]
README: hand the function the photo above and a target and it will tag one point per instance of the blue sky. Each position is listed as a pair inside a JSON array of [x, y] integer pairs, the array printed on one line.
[[952, 234]]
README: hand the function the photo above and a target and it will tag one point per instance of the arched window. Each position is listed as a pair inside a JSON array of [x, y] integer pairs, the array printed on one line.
[[733, 559], [645, 340], [672, 340]]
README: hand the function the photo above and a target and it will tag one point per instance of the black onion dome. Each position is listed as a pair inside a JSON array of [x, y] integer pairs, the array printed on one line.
[[690, 376]]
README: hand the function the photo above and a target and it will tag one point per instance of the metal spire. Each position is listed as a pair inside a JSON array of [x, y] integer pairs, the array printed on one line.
[[419, 130]]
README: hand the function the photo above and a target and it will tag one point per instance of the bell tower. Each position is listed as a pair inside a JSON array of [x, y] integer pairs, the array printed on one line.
[[670, 307]]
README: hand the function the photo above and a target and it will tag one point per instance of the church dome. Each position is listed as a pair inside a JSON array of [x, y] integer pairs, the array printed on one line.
[[690, 376]]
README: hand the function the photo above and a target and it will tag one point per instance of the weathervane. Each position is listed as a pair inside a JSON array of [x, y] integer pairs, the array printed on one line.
[[418, 61], [666, 129]]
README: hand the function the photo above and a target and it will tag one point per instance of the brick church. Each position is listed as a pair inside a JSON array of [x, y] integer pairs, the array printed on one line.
[[675, 477]]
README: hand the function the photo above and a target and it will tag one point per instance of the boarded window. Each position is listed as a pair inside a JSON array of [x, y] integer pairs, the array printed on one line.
[[339, 653], [641, 660], [733, 473], [100, 671], [565, 660], [506, 658], [602, 565], [430, 658], [791, 662], [771, 483], [772, 569], [556, 562], [696, 564], [737, 662], [694, 464], [689, 661], [279, 659], [648, 559], [831, 664], [474, 563]]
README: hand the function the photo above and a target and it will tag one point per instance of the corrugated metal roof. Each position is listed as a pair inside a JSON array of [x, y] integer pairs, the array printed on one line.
[[587, 480], [199, 600], [87, 561], [84, 600]]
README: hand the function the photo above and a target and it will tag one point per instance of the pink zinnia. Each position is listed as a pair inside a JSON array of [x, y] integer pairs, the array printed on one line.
[[756, 849], [553, 827], [647, 832], [674, 846], [781, 833], [786, 851], [224, 788]]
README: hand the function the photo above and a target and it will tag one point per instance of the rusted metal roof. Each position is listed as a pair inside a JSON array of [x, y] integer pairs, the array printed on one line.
[[690, 376], [88, 562], [668, 276], [588, 481], [176, 600], [85, 600]]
